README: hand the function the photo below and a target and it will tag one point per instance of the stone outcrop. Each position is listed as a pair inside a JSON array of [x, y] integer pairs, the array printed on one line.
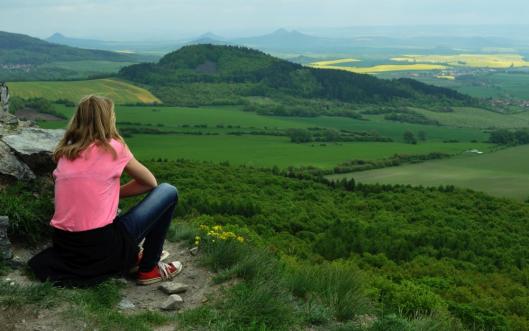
[[26, 151]]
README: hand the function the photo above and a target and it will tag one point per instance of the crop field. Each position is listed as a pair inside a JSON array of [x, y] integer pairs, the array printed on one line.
[[265, 151], [121, 92], [478, 118], [502, 173], [378, 68], [271, 150], [468, 60]]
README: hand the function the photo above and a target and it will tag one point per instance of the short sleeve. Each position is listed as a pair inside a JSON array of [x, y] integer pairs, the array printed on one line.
[[126, 154]]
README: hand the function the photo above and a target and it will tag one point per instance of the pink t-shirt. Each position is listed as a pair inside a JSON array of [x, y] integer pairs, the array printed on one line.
[[87, 188]]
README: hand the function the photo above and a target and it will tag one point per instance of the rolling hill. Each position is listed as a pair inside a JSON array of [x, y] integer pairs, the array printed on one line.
[[209, 74]]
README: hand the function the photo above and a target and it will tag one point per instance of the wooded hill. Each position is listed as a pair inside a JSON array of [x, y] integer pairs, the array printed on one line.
[[22, 49], [209, 74]]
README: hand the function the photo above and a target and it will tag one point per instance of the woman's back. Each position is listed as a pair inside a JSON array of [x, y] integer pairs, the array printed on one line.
[[87, 188]]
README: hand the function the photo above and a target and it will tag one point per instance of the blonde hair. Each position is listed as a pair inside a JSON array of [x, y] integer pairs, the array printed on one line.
[[93, 121]]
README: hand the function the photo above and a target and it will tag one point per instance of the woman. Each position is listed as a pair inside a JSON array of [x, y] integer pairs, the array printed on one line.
[[91, 243]]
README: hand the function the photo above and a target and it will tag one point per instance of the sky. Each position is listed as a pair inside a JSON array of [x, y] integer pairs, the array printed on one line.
[[176, 19]]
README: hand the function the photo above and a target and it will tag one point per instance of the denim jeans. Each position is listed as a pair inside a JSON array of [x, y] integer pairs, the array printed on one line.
[[150, 219]]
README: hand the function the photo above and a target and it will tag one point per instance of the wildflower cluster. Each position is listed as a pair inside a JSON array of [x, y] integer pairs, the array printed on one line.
[[217, 232]]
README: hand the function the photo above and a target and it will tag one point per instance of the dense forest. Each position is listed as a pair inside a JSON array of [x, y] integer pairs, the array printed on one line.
[[423, 251], [214, 74]]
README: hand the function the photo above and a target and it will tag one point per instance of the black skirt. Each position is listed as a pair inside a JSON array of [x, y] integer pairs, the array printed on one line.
[[85, 258]]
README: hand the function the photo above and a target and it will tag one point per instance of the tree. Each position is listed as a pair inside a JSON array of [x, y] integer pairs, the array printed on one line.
[[409, 138]]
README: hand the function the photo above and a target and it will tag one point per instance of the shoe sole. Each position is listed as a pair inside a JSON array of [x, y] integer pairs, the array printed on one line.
[[159, 279]]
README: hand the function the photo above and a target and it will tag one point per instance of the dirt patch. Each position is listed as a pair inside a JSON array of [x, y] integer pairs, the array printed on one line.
[[32, 115], [135, 299]]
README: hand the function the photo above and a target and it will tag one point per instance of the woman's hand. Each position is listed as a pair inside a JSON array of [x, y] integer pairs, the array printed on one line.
[[142, 179]]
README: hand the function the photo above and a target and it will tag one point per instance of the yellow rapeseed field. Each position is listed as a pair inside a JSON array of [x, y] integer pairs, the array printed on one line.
[[468, 60], [383, 68]]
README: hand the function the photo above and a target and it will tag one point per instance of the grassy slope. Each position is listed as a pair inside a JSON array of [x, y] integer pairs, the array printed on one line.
[[121, 92], [503, 173]]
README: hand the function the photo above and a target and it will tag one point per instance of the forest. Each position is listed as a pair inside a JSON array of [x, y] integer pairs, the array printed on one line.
[[454, 255]]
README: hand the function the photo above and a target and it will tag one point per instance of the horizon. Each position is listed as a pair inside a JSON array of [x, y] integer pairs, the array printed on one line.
[[164, 20]]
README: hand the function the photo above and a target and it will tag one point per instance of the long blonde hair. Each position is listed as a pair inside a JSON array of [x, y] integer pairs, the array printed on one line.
[[93, 121]]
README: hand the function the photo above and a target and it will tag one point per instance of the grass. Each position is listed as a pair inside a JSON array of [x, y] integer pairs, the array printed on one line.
[[121, 92], [502, 173], [270, 150]]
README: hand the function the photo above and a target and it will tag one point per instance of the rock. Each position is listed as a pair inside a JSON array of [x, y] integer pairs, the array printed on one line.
[[173, 288], [193, 251], [8, 118], [6, 251], [34, 146], [10, 166], [126, 304], [173, 302]]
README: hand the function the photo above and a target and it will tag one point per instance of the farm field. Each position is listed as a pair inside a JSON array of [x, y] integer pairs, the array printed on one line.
[[502, 173], [378, 68], [496, 61], [171, 117], [271, 150], [121, 92], [265, 151]]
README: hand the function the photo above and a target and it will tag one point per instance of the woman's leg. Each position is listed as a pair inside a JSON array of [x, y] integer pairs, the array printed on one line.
[[150, 219]]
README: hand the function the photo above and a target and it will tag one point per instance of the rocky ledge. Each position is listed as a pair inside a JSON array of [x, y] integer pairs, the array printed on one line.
[[26, 150]]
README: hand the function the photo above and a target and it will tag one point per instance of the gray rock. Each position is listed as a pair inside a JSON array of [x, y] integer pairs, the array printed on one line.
[[11, 166], [34, 146], [173, 288], [193, 251], [173, 302], [126, 304], [8, 118], [6, 251]]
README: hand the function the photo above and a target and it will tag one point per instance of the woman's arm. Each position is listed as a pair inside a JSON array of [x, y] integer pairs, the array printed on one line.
[[142, 179]]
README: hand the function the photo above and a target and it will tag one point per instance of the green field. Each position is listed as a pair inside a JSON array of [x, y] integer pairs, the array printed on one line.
[[121, 92], [269, 150], [503, 173]]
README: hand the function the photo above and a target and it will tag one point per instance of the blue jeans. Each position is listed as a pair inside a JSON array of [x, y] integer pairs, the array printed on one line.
[[150, 219]]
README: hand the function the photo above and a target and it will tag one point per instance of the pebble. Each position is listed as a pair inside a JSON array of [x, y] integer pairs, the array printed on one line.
[[193, 251], [172, 288], [126, 304], [173, 302]]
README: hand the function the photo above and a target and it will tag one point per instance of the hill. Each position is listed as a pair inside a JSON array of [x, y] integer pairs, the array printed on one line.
[[209, 74], [26, 58]]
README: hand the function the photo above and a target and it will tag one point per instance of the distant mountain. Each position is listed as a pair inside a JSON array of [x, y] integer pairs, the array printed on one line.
[[201, 71], [284, 40], [22, 49]]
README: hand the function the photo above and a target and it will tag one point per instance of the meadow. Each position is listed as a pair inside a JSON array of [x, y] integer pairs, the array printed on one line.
[[267, 151], [121, 92], [502, 173]]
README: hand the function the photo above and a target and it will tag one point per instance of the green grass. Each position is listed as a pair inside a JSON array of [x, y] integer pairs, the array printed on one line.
[[502, 173], [279, 151], [270, 150], [121, 92]]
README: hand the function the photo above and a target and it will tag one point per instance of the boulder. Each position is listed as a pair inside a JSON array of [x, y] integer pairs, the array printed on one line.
[[10, 166], [34, 147]]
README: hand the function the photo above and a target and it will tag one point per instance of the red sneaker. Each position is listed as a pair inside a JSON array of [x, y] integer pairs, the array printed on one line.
[[160, 272], [134, 269]]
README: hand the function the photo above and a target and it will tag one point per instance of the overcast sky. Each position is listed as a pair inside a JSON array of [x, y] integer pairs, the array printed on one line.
[[174, 19]]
